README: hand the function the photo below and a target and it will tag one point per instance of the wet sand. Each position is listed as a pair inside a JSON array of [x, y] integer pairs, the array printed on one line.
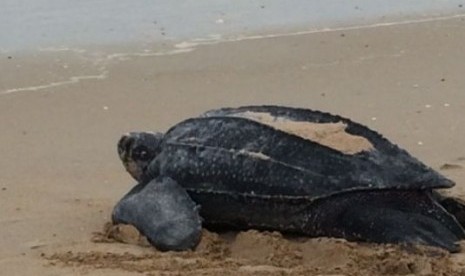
[[62, 111]]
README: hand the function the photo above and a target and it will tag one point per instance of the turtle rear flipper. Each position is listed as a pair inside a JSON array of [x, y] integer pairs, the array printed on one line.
[[454, 206], [394, 216], [391, 223], [383, 225], [163, 212]]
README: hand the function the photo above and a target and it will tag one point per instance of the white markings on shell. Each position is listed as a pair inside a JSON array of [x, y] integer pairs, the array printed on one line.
[[190, 139], [332, 135], [258, 155]]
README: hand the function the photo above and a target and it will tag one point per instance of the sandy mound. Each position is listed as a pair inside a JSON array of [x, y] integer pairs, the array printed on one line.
[[262, 253]]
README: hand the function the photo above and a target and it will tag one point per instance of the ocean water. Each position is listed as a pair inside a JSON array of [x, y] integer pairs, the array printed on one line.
[[37, 24]]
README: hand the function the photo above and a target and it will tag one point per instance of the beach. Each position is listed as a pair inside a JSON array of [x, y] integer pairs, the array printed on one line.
[[63, 109]]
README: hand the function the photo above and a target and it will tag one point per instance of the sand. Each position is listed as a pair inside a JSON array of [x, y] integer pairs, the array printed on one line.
[[260, 253], [332, 135], [63, 110]]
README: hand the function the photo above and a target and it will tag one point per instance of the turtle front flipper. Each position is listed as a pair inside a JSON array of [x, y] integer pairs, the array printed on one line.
[[163, 212]]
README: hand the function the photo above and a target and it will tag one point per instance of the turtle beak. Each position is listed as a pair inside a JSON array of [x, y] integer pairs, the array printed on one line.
[[124, 146]]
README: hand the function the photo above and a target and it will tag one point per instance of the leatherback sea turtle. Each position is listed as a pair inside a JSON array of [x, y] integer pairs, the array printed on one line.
[[285, 169]]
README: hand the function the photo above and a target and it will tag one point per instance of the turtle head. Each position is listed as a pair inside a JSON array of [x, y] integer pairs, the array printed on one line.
[[137, 149]]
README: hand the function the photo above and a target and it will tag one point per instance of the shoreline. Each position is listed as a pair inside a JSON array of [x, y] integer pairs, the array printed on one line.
[[103, 55], [148, 23]]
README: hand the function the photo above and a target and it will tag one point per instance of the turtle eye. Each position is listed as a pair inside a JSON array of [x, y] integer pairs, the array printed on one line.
[[141, 153]]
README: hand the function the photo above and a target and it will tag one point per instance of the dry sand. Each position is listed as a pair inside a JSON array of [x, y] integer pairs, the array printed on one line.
[[60, 175], [332, 135]]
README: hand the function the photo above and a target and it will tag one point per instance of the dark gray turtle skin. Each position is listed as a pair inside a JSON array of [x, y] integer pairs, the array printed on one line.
[[248, 168], [174, 224]]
